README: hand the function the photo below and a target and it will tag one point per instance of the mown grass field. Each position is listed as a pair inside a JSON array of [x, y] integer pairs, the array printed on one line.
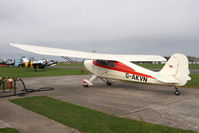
[[8, 130], [71, 65], [18, 72], [87, 120], [194, 82], [160, 66]]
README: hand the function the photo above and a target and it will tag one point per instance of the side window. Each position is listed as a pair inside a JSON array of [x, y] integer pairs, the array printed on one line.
[[111, 64], [104, 63], [97, 61]]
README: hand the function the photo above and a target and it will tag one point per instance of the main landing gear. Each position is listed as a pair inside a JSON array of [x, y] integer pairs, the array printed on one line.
[[177, 92], [84, 85], [108, 83]]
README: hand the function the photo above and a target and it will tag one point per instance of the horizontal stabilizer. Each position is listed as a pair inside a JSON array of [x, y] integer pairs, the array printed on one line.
[[167, 79]]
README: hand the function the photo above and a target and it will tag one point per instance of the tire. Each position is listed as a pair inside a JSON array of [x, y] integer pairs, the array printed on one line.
[[85, 85], [177, 93], [108, 84]]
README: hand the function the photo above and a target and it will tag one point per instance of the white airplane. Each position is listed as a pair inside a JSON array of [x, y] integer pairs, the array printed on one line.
[[120, 67]]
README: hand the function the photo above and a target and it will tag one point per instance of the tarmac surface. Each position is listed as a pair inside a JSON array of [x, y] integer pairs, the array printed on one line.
[[150, 103]]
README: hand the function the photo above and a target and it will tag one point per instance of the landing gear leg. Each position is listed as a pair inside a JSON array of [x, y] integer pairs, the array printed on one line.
[[108, 83], [177, 92]]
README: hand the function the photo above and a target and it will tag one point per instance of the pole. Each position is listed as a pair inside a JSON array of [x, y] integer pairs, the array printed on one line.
[[3, 84], [15, 87]]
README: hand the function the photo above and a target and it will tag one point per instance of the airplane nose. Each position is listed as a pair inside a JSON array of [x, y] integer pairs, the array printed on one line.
[[88, 65]]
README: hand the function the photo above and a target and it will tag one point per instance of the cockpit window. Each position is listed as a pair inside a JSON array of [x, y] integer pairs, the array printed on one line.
[[97, 61], [105, 63], [102, 62], [111, 64]]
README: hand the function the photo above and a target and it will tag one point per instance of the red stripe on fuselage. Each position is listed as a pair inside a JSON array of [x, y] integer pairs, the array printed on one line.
[[122, 68]]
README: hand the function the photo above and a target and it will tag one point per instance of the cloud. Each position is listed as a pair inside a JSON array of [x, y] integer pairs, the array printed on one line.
[[114, 26]]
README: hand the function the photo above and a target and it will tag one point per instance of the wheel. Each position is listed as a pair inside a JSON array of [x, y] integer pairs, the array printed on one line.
[[85, 85], [177, 92], [108, 84]]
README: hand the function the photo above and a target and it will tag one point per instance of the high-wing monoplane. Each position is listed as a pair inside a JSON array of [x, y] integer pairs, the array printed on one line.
[[120, 67]]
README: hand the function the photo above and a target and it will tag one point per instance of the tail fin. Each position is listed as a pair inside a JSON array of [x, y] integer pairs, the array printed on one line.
[[178, 68]]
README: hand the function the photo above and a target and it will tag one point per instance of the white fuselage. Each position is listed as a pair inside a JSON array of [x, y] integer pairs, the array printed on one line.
[[121, 71]]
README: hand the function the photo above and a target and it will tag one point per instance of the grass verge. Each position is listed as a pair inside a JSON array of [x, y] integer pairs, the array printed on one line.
[[194, 82], [71, 65], [88, 120], [160, 66], [8, 130], [29, 72]]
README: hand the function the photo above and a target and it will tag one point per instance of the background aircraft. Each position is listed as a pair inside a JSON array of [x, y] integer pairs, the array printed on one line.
[[5, 62], [31, 62], [37, 64]]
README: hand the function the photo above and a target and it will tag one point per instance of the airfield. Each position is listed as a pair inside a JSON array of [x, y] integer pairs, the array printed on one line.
[[150, 103]]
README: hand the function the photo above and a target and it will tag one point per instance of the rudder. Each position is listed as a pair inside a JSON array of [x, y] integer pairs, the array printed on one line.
[[178, 67]]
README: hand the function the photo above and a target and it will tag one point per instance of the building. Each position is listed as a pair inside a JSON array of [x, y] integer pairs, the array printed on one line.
[[196, 61]]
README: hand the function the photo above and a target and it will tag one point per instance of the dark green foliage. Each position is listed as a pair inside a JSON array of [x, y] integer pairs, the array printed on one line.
[[8, 130]]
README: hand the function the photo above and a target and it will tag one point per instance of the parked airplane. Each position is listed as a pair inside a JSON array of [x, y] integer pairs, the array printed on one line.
[[9, 62], [109, 66], [2, 62], [37, 64]]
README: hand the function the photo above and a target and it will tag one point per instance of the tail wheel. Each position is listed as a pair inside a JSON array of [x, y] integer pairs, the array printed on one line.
[[177, 92]]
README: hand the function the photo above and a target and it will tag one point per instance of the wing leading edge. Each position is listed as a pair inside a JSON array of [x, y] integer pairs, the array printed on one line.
[[86, 55]]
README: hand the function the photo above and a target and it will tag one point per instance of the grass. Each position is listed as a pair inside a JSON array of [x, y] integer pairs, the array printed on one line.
[[194, 66], [152, 66], [88, 120], [160, 66], [194, 82], [8, 130], [71, 65], [30, 72]]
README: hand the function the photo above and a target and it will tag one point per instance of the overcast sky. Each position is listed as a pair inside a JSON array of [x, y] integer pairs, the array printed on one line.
[[160, 27]]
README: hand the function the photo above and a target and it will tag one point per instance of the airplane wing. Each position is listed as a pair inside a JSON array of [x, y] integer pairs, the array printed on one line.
[[86, 55]]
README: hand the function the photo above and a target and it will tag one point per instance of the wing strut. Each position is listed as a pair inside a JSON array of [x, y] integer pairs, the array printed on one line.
[[68, 59]]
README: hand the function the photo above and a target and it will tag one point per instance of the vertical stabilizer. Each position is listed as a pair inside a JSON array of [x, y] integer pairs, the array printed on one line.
[[177, 67]]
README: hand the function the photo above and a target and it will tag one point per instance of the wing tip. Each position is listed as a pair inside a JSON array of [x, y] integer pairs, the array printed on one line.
[[10, 44]]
